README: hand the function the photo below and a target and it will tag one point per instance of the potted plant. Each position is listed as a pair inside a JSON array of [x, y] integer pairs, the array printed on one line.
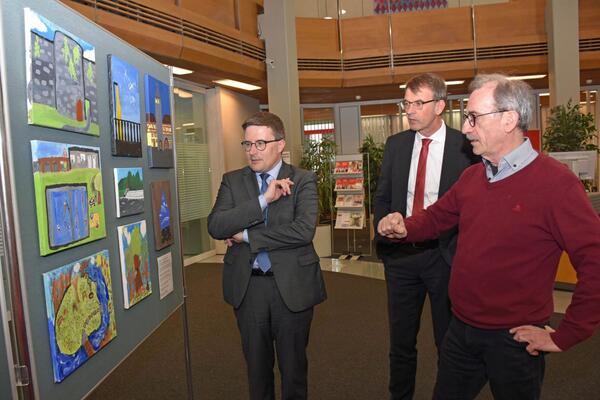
[[318, 156], [372, 158], [570, 132]]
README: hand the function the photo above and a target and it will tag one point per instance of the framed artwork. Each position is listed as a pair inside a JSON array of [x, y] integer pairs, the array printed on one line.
[[158, 123], [80, 312], [68, 195], [135, 271], [161, 214], [129, 191], [61, 77], [125, 109]]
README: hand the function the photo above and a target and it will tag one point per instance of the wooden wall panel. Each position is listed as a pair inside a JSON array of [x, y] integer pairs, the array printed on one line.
[[221, 11], [317, 38], [434, 30], [589, 19], [516, 22], [249, 17], [365, 37]]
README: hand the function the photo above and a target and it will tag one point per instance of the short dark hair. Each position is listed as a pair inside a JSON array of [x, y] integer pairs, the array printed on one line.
[[431, 81], [266, 119]]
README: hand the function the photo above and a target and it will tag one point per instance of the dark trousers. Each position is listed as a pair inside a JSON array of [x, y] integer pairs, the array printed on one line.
[[264, 320], [409, 279], [471, 356]]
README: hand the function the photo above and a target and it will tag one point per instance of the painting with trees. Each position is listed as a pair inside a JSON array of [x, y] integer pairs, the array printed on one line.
[[129, 191], [135, 269]]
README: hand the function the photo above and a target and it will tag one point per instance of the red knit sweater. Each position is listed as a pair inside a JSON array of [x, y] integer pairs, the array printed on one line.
[[511, 235]]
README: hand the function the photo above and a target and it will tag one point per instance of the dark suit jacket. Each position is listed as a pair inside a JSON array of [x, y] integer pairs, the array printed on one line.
[[292, 222], [392, 185]]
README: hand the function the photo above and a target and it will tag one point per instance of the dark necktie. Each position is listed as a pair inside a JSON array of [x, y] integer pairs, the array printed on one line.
[[419, 194], [262, 259]]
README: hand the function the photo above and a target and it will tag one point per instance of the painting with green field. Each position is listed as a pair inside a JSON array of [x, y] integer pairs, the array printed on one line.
[[68, 195], [61, 77]]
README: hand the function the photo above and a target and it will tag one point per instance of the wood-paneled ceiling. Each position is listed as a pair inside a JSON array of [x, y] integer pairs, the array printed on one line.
[[379, 52]]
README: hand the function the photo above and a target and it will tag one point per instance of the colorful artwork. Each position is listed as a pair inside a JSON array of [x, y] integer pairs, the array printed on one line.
[[68, 195], [80, 311], [125, 108], [61, 77], [158, 123], [161, 214], [129, 190], [133, 246]]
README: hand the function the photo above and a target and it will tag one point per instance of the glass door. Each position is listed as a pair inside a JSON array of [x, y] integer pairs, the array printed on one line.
[[193, 169]]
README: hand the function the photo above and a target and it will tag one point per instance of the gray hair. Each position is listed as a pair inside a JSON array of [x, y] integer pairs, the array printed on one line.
[[511, 95]]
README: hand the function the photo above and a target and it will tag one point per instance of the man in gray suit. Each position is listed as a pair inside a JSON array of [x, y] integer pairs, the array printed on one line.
[[267, 215]]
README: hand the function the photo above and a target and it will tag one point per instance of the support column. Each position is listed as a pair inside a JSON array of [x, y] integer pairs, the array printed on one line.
[[279, 31], [562, 28]]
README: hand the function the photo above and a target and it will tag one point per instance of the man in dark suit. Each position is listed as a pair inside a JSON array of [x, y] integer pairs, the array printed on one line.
[[419, 166], [267, 214]]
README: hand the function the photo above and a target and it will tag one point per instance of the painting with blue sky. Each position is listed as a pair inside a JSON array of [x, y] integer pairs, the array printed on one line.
[[159, 130], [129, 190], [61, 77], [125, 108], [161, 214]]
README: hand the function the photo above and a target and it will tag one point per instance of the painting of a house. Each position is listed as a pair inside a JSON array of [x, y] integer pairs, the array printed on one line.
[[80, 312], [125, 108], [135, 270], [161, 214], [68, 195], [61, 77], [159, 129]]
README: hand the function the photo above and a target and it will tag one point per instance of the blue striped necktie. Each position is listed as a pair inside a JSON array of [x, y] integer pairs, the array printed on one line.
[[262, 259]]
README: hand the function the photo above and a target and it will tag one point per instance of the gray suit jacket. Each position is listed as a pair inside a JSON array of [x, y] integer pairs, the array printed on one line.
[[292, 222]]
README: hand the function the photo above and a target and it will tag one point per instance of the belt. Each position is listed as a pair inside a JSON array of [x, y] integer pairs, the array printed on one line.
[[259, 272]]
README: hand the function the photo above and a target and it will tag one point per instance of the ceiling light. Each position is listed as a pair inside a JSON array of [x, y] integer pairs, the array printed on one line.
[[179, 71], [342, 11], [544, 94], [328, 17], [448, 83], [237, 84], [523, 77]]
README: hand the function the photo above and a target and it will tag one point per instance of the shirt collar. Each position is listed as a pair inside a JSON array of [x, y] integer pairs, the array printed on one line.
[[438, 136], [274, 172], [516, 158]]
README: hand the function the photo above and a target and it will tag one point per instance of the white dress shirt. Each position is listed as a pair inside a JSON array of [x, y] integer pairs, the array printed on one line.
[[433, 170]]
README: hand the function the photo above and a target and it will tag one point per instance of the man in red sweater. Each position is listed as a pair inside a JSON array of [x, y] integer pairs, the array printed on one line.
[[516, 212]]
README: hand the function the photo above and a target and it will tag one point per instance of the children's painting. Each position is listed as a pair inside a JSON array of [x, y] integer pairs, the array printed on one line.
[[158, 123], [133, 247], [129, 190], [125, 108], [161, 214], [61, 77], [80, 311], [68, 195]]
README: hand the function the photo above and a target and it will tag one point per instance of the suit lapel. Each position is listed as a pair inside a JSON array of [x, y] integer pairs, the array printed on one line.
[[250, 182], [452, 146], [404, 159], [286, 171]]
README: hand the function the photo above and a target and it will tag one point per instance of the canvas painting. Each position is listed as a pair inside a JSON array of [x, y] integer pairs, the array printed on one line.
[[125, 108], [68, 195], [61, 77], [161, 214], [158, 123], [129, 190], [80, 312], [135, 272]]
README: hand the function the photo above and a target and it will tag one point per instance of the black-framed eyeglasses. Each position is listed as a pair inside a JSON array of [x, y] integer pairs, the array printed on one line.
[[259, 144], [417, 104], [472, 117]]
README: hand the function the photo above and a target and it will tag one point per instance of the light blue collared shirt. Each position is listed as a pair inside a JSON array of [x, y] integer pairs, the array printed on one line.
[[273, 173], [512, 163]]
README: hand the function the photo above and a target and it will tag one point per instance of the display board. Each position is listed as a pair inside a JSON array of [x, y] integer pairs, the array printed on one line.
[[85, 229]]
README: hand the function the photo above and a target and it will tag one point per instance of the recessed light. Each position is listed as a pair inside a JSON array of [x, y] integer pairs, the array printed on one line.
[[237, 84], [524, 77]]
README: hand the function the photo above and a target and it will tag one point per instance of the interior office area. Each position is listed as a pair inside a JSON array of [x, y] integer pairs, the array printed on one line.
[[332, 70]]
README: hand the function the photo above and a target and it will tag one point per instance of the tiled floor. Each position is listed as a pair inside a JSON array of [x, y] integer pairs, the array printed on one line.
[[375, 270]]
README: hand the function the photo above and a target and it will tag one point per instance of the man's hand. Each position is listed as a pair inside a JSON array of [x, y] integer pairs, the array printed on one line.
[[278, 188], [392, 226], [538, 338], [237, 238]]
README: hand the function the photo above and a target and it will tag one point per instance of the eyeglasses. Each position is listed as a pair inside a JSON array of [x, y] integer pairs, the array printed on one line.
[[417, 104], [260, 144], [472, 117]]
